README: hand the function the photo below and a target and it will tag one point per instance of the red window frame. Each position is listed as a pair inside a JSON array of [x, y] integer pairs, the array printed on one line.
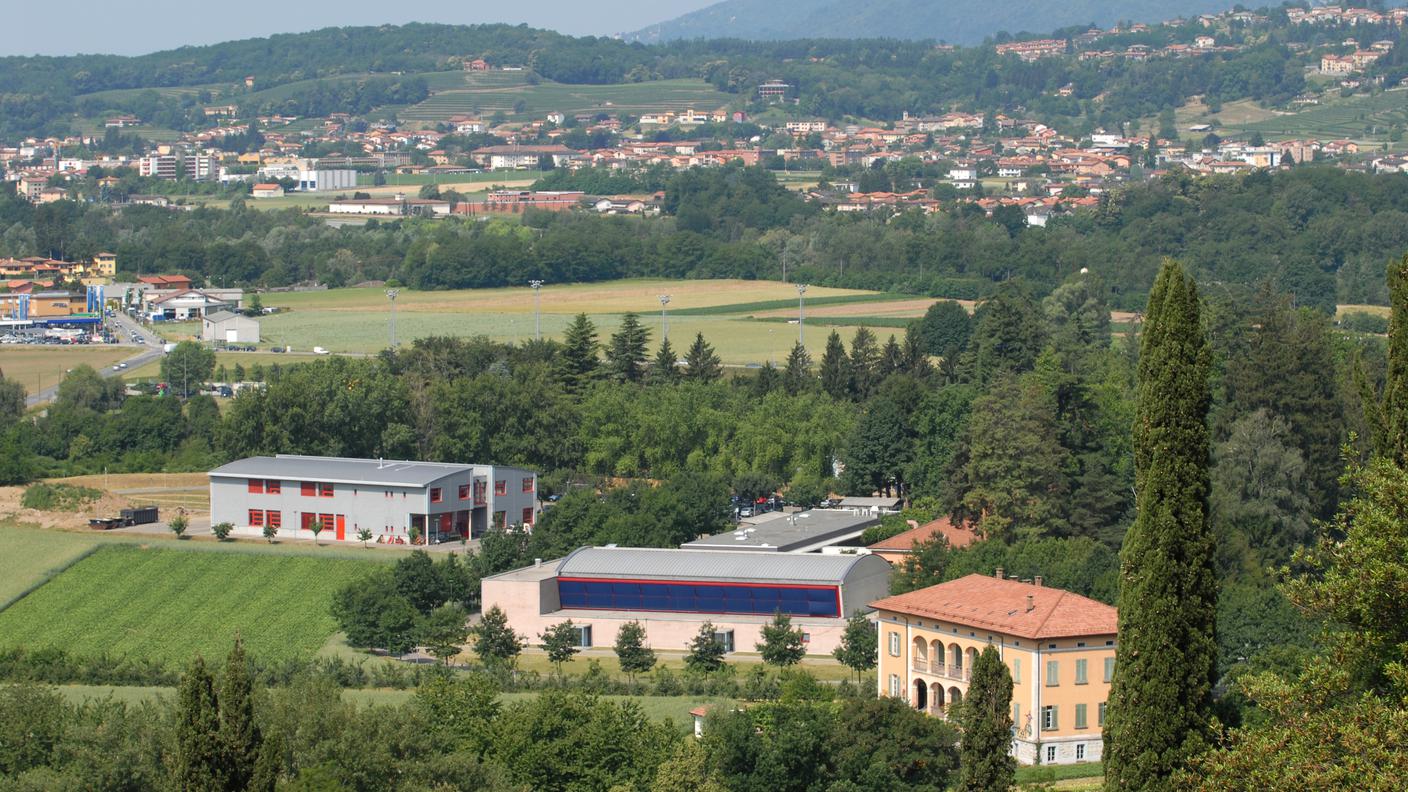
[[273, 486], [528, 515], [464, 492], [308, 519], [500, 518], [437, 495], [528, 484], [274, 519], [256, 517], [327, 521], [308, 489], [256, 486], [501, 487], [325, 490]]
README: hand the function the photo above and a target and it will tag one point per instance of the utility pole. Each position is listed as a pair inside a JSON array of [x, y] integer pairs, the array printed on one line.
[[537, 309], [391, 295], [664, 318], [801, 312]]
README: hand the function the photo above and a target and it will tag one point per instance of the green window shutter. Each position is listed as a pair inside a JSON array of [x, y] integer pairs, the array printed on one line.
[[1080, 716], [1109, 668], [1055, 717], [1053, 673], [1080, 672]]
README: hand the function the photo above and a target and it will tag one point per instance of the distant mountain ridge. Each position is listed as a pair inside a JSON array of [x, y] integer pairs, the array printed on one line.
[[954, 21]]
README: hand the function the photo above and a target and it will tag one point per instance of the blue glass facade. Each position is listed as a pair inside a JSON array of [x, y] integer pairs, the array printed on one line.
[[687, 597]]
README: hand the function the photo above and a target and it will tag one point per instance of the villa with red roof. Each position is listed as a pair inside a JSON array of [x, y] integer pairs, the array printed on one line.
[[900, 546], [1058, 646]]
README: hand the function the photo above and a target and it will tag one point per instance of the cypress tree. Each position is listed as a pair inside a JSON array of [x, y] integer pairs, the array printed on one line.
[[1395, 402], [577, 363], [985, 764], [625, 355], [797, 375], [704, 365], [665, 369], [1161, 699], [198, 751], [239, 734], [835, 368]]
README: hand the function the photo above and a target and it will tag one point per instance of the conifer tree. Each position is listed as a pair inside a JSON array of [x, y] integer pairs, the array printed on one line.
[[916, 359], [198, 751], [892, 359], [767, 381], [704, 364], [625, 355], [239, 734], [1395, 403], [577, 362], [835, 368], [865, 363], [665, 367], [1161, 698], [706, 652], [985, 716], [797, 375]]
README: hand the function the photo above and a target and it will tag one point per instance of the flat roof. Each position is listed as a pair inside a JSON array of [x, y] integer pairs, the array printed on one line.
[[725, 566], [800, 531], [342, 470]]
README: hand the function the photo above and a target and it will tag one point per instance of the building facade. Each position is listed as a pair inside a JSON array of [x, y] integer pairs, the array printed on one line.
[[672, 593], [226, 327], [399, 502], [1058, 646]]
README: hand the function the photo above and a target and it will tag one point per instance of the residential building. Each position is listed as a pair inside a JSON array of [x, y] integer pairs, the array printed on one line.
[[228, 327], [523, 157], [774, 91], [900, 546], [1058, 646], [183, 306], [400, 502], [269, 190], [672, 593]]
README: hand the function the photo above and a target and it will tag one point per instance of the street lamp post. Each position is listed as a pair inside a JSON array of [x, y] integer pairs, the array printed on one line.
[[801, 312], [391, 295], [537, 309], [664, 318]]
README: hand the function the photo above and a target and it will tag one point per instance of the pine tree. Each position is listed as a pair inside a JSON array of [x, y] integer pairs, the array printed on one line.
[[767, 381], [1007, 336], [706, 652], [835, 368], [198, 750], [703, 364], [1161, 699], [797, 375], [782, 643], [665, 368], [1395, 401], [631, 652], [985, 764], [858, 649], [892, 360], [916, 359], [865, 363], [577, 363], [625, 355], [239, 734]]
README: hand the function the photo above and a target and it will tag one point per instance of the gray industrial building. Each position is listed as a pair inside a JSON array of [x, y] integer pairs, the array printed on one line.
[[798, 532], [436, 501]]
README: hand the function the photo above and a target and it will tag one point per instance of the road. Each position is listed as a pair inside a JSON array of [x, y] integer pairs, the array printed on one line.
[[141, 354]]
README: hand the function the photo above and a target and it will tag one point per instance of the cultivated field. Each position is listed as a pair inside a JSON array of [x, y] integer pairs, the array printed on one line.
[[31, 556], [510, 93], [1354, 118], [167, 604], [358, 320], [38, 367]]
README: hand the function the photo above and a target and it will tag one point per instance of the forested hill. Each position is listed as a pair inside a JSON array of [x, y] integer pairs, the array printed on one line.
[[954, 21]]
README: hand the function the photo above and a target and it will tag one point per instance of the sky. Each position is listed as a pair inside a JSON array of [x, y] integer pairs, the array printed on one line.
[[134, 27]]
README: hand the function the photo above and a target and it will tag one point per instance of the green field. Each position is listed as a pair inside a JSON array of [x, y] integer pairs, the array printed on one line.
[[494, 92], [31, 556], [358, 320], [167, 604], [1356, 118]]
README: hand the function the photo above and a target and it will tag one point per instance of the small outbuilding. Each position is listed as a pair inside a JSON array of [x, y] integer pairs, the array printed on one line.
[[229, 328]]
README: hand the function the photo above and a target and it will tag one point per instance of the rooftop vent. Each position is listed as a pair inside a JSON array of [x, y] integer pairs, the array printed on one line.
[[1031, 603], [998, 574]]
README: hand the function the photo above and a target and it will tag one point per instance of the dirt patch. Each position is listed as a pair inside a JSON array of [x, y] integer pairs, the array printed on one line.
[[122, 481], [109, 505]]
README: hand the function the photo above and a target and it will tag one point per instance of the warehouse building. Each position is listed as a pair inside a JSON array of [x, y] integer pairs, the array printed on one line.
[[673, 592], [397, 501], [798, 532]]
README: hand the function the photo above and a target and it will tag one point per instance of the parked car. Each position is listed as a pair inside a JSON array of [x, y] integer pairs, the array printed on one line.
[[319, 351]]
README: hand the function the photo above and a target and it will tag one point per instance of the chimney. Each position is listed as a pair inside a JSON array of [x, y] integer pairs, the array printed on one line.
[[1037, 580], [912, 523], [537, 562], [1031, 603], [998, 573]]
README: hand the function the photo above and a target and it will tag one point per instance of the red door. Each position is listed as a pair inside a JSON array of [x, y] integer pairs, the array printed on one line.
[[341, 527]]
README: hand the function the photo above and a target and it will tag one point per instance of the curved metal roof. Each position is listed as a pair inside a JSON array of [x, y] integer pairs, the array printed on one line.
[[724, 566]]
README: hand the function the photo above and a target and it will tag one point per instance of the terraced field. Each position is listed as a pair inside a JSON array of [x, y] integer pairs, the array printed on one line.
[[511, 94], [169, 604], [1354, 118]]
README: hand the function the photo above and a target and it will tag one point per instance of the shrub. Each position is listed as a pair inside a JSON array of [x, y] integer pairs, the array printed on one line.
[[222, 530], [178, 525], [58, 497]]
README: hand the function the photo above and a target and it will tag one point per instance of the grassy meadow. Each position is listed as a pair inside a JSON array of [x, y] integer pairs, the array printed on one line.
[[32, 556], [167, 604], [44, 365], [510, 93]]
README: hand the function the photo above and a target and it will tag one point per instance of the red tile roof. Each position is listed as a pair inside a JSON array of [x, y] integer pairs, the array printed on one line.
[[943, 526], [998, 605]]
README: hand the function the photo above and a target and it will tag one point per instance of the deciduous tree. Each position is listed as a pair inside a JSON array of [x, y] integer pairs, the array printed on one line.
[[782, 643]]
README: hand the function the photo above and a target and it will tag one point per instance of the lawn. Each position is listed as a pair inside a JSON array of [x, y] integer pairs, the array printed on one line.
[[38, 367], [358, 320], [510, 94], [31, 556], [167, 604]]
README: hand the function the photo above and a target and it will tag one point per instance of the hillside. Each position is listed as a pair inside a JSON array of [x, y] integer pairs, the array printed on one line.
[[954, 21]]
